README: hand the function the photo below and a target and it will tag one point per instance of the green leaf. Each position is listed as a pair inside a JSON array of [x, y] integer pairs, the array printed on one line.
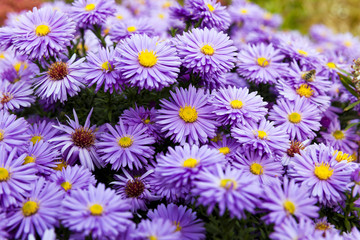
[[350, 89], [351, 106], [347, 225], [351, 125], [345, 72]]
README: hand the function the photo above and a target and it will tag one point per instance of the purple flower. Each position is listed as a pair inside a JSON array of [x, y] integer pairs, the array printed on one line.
[[187, 117], [159, 229], [228, 189], [299, 118], [184, 219], [318, 169], [148, 63], [3, 233], [42, 33], [130, 27], [78, 142], [283, 201], [206, 51], [261, 63], [15, 96], [227, 146], [42, 130], [236, 106], [126, 146], [294, 147], [38, 210], [12, 131], [291, 229], [61, 79], [15, 178], [96, 211]]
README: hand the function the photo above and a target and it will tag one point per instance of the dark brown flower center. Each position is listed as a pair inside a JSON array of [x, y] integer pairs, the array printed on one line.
[[58, 71], [83, 137], [134, 188], [295, 147]]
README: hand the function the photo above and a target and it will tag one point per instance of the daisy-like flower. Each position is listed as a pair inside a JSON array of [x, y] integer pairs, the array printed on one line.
[[42, 33], [355, 182], [130, 27], [294, 147], [318, 169], [211, 13], [286, 201], [61, 79], [15, 178], [42, 130], [157, 229], [126, 146], [3, 233], [73, 178], [342, 140], [100, 69], [148, 63], [136, 188], [180, 166], [206, 51], [236, 106], [291, 229], [90, 12], [299, 118], [12, 131], [38, 211], [78, 142], [227, 146], [184, 219], [96, 211], [255, 165], [262, 136], [15, 96], [261, 63], [187, 117], [228, 189]]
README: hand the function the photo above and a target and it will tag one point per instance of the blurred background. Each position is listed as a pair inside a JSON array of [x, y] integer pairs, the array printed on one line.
[[340, 15]]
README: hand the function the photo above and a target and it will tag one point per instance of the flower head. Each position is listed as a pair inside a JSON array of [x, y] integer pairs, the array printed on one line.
[[130, 27], [15, 96], [158, 228]]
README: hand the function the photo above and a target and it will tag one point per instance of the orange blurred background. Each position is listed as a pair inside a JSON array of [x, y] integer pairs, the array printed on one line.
[[15, 6]]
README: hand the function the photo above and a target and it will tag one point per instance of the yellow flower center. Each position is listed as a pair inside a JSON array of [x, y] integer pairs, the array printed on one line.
[[147, 121], [261, 134], [190, 163], [305, 91], [294, 117], [177, 224], [289, 206], [338, 135], [224, 150], [96, 209], [323, 171], [120, 17], [1, 135], [167, 4], [210, 7], [236, 104], [256, 169], [42, 30], [106, 66], [188, 114], [348, 43], [161, 16], [340, 156], [268, 16], [2, 56], [66, 186], [207, 50], [30, 208], [302, 52], [322, 226], [125, 141], [29, 159], [131, 29], [18, 65], [4, 174], [36, 139], [331, 65], [90, 7], [228, 183], [60, 165], [147, 58], [263, 62], [152, 237], [243, 11]]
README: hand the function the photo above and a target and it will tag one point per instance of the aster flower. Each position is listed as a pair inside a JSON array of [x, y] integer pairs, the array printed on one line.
[[288, 200], [73, 178], [3, 233], [137, 189], [148, 63], [42, 33], [187, 117], [90, 12], [206, 51], [261, 63], [211, 12], [262, 136], [237, 106], [100, 69], [96, 211], [159, 229], [15, 96], [130, 27], [354, 234], [181, 165], [61, 79], [15, 178], [244, 12], [12, 131], [294, 147], [184, 219], [326, 229], [17, 69], [42, 130], [227, 146], [291, 229], [126, 146], [78, 142], [38, 211], [299, 118], [318, 169], [228, 189], [355, 182], [258, 166]]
